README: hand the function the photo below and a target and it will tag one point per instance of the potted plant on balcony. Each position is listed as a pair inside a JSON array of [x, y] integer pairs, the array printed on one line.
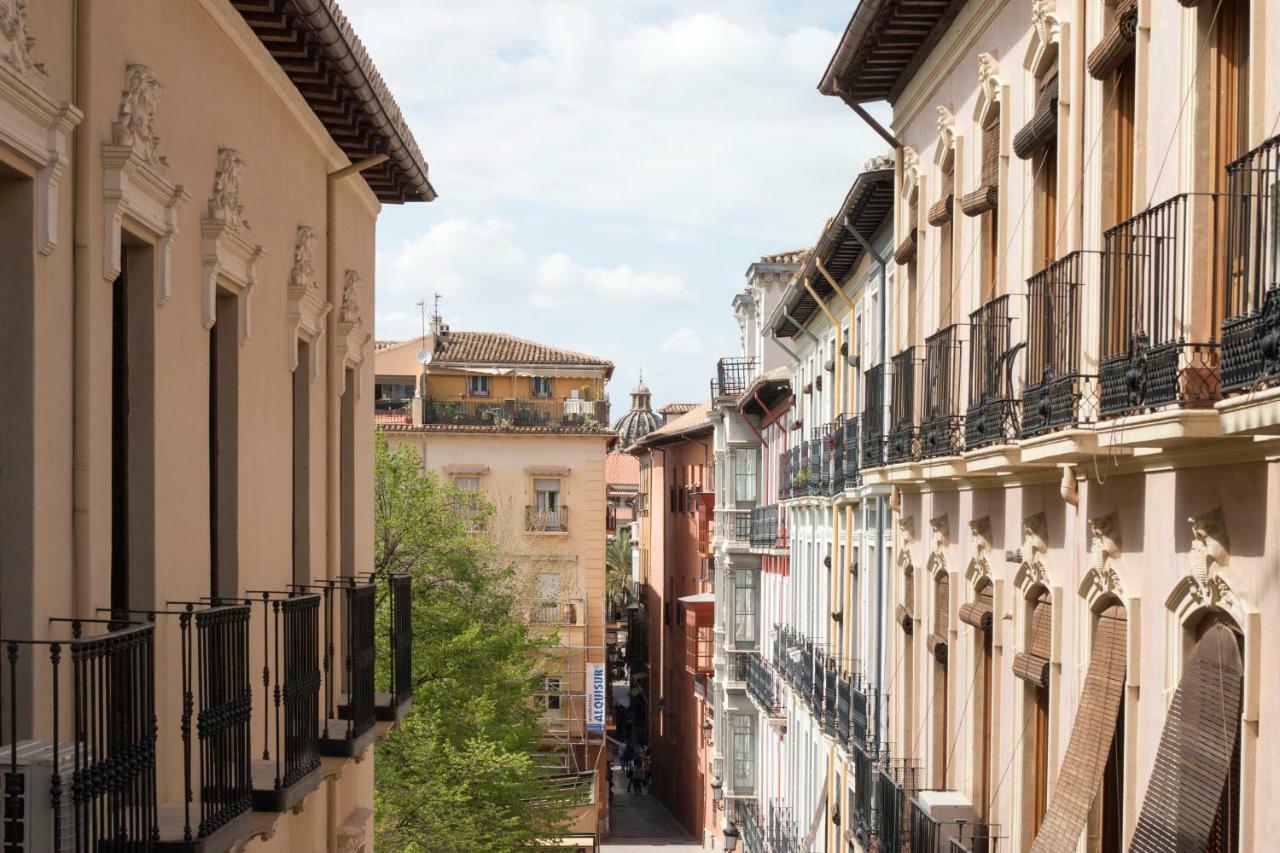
[[802, 477]]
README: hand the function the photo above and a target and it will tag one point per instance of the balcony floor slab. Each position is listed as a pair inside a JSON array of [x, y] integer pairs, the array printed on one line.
[[268, 798], [943, 468], [171, 820], [995, 457], [1164, 428], [1063, 446], [1253, 413], [903, 472]]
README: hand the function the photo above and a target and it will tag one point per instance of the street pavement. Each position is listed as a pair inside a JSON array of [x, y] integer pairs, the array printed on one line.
[[641, 824]]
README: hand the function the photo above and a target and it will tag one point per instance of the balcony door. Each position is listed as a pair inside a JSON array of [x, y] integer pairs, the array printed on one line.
[[546, 494]]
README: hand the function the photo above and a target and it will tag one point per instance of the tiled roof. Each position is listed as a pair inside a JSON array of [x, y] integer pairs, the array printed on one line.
[[676, 408], [518, 430], [622, 469], [793, 257], [501, 348], [694, 420], [379, 346]]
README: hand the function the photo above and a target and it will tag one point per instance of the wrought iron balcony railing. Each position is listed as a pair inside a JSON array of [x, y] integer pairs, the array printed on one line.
[[568, 612], [904, 436], [942, 425], [992, 417], [835, 445], [346, 733], [395, 703], [828, 713], [897, 782], [818, 474], [1149, 356], [865, 798], [733, 376], [765, 528], [762, 684], [873, 426], [784, 474], [541, 519], [851, 427], [750, 827], [975, 837], [568, 413], [1055, 393], [782, 833], [1251, 329]]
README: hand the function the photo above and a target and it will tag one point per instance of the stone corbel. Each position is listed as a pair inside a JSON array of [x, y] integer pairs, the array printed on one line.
[[228, 260], [939, 530], [352, 338], [906, 538], [307, 305], [1046, 36], [946, 137], [990, 89], [1208, 545], [980, 544]]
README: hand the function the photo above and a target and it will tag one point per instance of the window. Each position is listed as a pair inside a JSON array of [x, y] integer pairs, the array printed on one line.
[[478, 386], [744, 477], [542, 386], [546, 513], [551, 686], [1230, 123], [301, 461], [946, 234], [743, 727], [467, 484], [547, 495], [746, 601]]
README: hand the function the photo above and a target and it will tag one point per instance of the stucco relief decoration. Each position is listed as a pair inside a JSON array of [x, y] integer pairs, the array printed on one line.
[[1034, 547], [1208, 544], [939, 531], [134, 126], [352, 337], [15, 49], [1046, 34], [1205, 584], [1103, 577], [910, 175], [351, 299], [946, 135], [980, 549], [224, 204], [990, 87], [303, 275], [307, 306], [906, 538]]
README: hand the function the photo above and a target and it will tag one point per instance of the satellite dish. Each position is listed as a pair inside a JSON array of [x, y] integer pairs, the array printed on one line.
[[424, 357]]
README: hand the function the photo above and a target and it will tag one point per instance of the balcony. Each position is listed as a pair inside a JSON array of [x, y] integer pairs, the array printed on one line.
[[762, 685], [565, 613], [993, 414], [768, 528], [903, 435], [976, 838], [834, 446], [1148, 267], [541, 519], [733, 376], [897, 782], [397, 700], [781, 829], [851, 441], [348, 726], [1251, 330], [532, 413], [942, 425], [818, 454], [866, 776], [734, 525], [750, 827], [1056, 394], [393, 411]]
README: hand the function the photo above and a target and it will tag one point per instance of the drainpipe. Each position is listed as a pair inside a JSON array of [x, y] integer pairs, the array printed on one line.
[[81, 322], [881, 505], [333, 413]]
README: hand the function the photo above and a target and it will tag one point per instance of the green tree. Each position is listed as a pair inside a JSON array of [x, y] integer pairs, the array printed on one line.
[[617, 561], [461, 772]]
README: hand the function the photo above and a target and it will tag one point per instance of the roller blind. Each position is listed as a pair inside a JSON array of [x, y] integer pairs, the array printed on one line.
[[978, 612], [1117, 42], [1080, 776], [1043, 125], [1033, 664], [937, 641], [940, 211], [1193, 762], [984, 198]]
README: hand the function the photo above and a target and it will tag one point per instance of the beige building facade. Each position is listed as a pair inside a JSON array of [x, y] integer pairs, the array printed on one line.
[[527, 426], [1082, 420], [186, 437]]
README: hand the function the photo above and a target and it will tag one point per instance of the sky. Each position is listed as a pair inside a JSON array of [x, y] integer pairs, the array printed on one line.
[[608, 169]]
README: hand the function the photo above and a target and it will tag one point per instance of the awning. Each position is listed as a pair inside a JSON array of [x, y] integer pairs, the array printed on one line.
[[1117, 42], [1033, 664], [1043, 126], [1080, 777], [700, 598], [1194, 759], [937, 641], [978, 612]]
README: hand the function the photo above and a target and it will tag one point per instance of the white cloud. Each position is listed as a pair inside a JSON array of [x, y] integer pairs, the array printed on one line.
[[684, 340], [560, 282]]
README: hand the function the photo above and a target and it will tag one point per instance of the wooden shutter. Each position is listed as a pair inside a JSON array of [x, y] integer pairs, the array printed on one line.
[[937, 641], [978, 612], [940, 211], [1080, 777], [1117, 42], [906, 251], [1043, 126], [984, 198], [1033, 664], [1193, 762]]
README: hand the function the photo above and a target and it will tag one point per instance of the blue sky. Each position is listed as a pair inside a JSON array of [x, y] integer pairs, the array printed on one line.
[[607, 169]]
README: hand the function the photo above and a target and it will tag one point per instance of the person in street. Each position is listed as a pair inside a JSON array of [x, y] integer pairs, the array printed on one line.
[[648, 773]]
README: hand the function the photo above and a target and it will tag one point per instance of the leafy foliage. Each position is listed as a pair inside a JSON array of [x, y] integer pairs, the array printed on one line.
[[460, 774], [617, 561]]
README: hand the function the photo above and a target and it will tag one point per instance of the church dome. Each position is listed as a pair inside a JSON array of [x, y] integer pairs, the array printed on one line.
[[641, 420]]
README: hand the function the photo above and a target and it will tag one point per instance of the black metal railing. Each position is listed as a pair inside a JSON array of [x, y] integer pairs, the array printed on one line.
[[741, 526], [782, 836], [574, 413], [817, 462], [400, 641], [750, 827], [764, 526], [926, 833], [826, 706], [834, 445], [852, 444], [733, 376], [942, 425], [359, 711], [784, 474], [102, 781], [864, 796], [897, 782], [762, 685], [974, 837], [873, 431], [992, 416], [1148, 268], [1055, 393], [1251, 327], [904, 436], [291, 683], [541, 519]]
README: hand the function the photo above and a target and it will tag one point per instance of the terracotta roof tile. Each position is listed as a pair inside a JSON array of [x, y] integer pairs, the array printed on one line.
[[621, 468], [677, 408], [501, 348], [691, 421]]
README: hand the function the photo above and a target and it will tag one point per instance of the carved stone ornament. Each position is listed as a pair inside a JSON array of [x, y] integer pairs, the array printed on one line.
[[1208, 545], [1103, 577], [352, 337], [31, 123], [939, 532], [990, 87], [1046, 35], [946, 135], [16, 41], [307, 306], [980, 547], [224, 204], [878, 163], [134, 126], [906, 538], [229, 258], [134, 183], [910, 176]]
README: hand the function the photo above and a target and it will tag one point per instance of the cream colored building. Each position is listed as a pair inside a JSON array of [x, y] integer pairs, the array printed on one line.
[[527, 425], [187, 264], [1084, 395]]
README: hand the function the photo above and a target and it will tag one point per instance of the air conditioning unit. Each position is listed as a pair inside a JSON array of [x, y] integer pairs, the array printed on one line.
[[947, 809], [35, 760]]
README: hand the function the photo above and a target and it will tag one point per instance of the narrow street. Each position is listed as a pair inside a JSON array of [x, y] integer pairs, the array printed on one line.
[[640, 823]]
